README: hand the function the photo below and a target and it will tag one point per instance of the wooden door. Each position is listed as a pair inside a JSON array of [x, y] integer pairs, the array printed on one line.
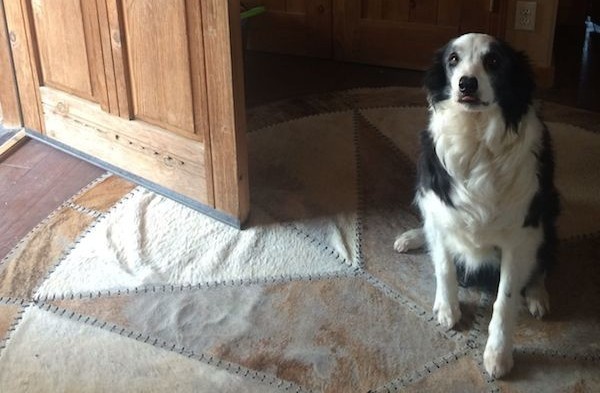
[[149, 87], [299, 27], [405, 33]]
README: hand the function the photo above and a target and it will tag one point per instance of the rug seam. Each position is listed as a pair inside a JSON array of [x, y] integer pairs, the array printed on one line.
[[67, 251], [452, 335], [424, 370], [203, 286], [5, 341]]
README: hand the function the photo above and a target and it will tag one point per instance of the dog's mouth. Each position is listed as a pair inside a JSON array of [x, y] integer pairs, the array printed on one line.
[[471, 100]]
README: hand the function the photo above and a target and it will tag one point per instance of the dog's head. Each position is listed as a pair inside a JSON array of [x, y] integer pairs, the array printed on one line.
[[477, 71]]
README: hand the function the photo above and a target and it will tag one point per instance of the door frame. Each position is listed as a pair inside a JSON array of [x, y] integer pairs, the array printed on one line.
[[222, 39]]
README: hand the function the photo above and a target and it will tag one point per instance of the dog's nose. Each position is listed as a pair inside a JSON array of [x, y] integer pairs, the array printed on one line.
[[467, 85]]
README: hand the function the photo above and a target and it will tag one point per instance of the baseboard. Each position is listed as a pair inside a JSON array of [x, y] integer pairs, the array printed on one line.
[[10, 139], [206, 210]]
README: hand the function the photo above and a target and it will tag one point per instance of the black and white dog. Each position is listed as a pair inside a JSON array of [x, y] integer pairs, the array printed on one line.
[[485, 186]]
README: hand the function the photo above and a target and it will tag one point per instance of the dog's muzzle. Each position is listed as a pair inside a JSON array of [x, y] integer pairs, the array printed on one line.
[[468, 86]]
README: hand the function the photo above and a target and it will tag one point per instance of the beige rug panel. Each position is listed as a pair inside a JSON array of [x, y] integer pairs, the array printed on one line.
[[51, 353]]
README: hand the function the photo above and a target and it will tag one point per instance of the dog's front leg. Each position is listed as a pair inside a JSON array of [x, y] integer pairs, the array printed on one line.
[[516, 266], [446, 306]]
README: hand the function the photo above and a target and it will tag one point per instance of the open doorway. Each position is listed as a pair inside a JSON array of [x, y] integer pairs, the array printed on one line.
[[300, 47], [577, 55]]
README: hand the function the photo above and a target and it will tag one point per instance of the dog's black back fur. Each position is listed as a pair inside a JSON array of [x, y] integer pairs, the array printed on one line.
[[431, 173]]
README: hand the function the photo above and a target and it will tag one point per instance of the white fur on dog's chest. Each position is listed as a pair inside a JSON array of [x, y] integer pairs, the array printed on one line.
[[494, 177]]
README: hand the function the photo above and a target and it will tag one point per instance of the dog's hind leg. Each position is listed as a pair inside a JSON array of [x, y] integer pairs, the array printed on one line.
[[410, 240]]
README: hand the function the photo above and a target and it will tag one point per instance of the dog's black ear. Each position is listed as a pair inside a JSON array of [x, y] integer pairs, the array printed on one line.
[[515, 97], [436, 80]]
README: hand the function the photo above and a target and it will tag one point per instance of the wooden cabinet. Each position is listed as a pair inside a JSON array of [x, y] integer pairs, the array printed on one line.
[[299, 27], [399, 33], [150, 87], [404, 33]]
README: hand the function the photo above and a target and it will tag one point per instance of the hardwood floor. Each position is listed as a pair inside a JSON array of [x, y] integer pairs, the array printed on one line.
[[35, 179]]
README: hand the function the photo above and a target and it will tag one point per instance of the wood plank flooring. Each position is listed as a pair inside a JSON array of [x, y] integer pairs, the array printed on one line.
[[34, 180]]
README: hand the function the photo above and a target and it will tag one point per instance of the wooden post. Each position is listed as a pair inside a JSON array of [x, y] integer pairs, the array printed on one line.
[[222, 40]]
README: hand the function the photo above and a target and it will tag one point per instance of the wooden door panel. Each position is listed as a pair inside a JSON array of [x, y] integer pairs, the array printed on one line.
[[67, 42], [159, 63], [300, 27], [150, 152], [403, 33], [448, 13], [157, 97], [298, 6], [371, 9], [395, 10], [475, 16], [423, 11]]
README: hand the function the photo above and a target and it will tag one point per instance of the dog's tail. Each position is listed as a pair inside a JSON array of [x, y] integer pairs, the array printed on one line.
[[410, 240]]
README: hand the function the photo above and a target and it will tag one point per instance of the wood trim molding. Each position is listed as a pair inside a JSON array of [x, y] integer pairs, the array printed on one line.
[[14, 141], [26, 64], [9, 95]]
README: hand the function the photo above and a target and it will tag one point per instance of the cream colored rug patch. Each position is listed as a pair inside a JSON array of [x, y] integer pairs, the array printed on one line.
[[149, 240]]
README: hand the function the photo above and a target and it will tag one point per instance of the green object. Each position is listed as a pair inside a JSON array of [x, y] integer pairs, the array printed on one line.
[[253, 12]]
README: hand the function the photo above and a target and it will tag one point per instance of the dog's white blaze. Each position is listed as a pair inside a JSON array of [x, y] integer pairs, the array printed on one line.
[[470, 48], [494, 173]]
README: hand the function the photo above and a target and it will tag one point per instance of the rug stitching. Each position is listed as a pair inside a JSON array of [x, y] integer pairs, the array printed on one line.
[[425, 316], [423, 371], [388, 141], [326, 250], [82, 235], [85, 210], [207, 285], [360, 194], [13, 326]]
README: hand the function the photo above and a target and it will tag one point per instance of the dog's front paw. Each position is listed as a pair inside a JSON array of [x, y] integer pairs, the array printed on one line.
[[538, 303], [447, 315], [497, 362], [410, 240]]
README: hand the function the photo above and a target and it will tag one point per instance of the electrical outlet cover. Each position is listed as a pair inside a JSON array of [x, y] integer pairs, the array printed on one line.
[[525, 15]]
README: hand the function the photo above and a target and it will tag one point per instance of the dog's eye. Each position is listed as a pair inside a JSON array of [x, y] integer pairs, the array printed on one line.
[[491, 61], [453, 59]]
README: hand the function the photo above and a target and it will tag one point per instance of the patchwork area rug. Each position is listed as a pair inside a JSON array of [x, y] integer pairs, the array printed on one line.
[[122, 290]]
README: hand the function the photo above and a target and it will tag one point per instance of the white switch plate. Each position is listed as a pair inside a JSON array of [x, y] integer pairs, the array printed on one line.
[[525, 15]]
